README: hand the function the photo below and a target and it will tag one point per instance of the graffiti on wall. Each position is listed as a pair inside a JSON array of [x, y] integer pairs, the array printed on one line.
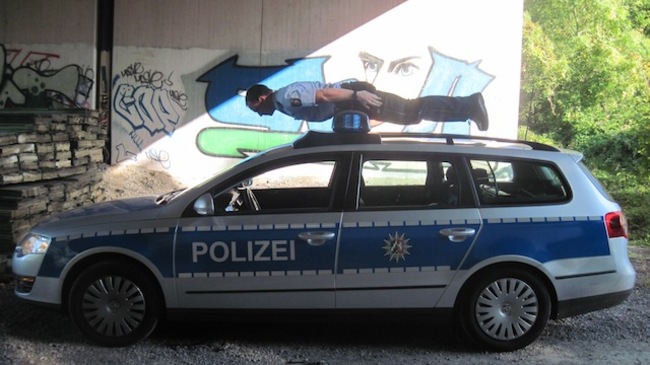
[[148, 103], [30, 80], [245, 131]]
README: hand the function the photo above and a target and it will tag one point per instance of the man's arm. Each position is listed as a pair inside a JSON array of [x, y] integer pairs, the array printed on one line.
[[333, 95]]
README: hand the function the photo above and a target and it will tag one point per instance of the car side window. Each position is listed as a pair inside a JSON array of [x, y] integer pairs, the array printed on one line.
[[514, 182], [299, 186], [392, 183]]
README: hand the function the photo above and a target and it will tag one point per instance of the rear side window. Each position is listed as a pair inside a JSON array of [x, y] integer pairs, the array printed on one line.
[[408, 183], [518, 182]]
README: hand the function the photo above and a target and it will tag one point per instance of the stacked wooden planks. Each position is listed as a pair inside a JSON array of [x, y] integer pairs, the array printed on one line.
[[49, 166]]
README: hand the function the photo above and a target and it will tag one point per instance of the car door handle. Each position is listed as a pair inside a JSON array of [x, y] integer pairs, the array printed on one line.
[[316, 238], [457, 234]]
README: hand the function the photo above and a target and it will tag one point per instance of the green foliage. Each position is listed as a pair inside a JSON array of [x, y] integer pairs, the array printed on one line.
[[633, 194], [640, 15], [586, 86], [528, 135]]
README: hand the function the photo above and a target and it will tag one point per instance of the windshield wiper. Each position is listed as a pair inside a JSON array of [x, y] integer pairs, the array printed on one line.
[[165, 198]]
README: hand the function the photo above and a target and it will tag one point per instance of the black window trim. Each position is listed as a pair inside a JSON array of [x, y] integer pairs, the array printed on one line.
[[467, 199], [502, 158], [338, 183]]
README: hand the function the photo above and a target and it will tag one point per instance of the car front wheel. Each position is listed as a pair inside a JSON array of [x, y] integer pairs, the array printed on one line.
[[114, 304], [505, 309]]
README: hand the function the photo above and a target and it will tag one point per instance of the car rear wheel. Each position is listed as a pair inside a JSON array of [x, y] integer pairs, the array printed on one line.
[[505, 309], [114, 303]]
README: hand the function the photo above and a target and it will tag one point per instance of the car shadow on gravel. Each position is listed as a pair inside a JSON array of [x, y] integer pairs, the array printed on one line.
[[24, 321], [384, 333]]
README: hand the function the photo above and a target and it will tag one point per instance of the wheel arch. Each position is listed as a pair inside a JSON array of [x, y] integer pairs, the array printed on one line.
[[537, 272], [78, 266]]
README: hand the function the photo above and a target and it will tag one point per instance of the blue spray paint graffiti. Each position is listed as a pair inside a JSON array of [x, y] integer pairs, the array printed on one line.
[[227, 81], [451, 77], [225, 104]]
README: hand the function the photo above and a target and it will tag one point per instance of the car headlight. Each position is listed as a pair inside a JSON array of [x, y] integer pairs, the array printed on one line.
[[32, 243]]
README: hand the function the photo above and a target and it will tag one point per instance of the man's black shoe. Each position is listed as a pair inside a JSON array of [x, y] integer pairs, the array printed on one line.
[[479, 113]]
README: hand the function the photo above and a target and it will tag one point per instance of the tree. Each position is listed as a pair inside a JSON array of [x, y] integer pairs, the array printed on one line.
[[585, 78], [640, 15]]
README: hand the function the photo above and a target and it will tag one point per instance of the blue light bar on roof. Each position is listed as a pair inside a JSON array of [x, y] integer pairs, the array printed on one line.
[[353, 121]]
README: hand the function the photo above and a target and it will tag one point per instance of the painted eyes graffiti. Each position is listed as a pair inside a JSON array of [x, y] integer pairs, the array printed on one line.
[[405, 69], [371, 66], [402, 67]]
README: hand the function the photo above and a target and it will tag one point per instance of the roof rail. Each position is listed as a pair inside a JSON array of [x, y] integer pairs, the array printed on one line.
[[450, 138], [317, 138]]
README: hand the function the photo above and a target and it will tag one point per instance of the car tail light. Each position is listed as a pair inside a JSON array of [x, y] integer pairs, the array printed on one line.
[[616, 224]]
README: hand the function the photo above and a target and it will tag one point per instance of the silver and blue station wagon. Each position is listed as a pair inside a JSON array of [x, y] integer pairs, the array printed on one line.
[[502, 235]]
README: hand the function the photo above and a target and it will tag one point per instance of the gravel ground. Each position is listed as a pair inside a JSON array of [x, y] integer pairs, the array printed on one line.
[[619, 335]]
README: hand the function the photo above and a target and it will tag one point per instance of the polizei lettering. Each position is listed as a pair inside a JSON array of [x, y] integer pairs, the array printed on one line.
[[253, 251]]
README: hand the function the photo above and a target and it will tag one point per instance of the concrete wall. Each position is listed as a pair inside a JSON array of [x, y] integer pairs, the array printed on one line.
[[178, 66], [177, 102], [47, 22], [47, 55], [256, 29]]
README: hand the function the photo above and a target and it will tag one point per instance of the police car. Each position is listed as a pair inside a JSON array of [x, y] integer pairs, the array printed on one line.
[[503, 235]]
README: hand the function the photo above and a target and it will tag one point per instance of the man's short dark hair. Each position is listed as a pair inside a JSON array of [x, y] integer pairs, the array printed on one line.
[[254, 92]]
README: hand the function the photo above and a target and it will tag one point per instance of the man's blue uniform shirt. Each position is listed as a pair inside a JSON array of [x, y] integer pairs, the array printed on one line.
[[299, 101]]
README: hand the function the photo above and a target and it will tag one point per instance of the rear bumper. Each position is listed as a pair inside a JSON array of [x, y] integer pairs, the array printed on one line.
[[573, 307]]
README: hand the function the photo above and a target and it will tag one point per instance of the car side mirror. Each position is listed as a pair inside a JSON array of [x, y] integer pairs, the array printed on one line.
[[204, 205]]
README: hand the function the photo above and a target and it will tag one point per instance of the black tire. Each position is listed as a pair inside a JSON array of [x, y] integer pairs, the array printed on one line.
[[505, 309], [114, 303]]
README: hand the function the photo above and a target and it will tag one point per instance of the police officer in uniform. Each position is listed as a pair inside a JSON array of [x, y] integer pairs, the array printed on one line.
[[316, 101]]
